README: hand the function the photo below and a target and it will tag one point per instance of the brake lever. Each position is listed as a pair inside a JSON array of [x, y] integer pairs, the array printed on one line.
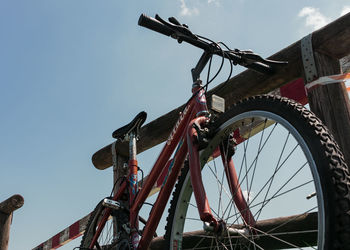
[[250, 57], [173, 20], [273, 62], [179, 29]]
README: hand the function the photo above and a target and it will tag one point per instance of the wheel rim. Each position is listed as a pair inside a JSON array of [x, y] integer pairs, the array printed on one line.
[[289, 176]]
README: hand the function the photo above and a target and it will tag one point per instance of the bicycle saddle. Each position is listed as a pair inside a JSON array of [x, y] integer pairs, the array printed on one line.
[[134, 126]]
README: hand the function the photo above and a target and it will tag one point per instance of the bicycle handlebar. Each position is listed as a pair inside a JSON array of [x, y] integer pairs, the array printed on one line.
[[171, 30], [155, 25], [181, 33]]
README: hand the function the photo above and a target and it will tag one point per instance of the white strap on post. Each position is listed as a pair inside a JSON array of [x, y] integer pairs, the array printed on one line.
[[325, 80]]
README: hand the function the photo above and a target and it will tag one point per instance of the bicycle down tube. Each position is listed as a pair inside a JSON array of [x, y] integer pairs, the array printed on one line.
[[176, 137]]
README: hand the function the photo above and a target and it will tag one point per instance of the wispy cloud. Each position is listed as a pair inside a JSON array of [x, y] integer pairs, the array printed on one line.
[[186, 11], [215, 2], [345, 10], [314, 18], [248, 196]]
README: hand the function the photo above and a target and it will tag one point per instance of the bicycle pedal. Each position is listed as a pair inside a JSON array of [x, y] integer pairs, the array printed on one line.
[[111, 204]]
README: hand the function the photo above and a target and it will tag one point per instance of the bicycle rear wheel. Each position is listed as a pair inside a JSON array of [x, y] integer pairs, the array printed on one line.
[[111, 237], [292, 176]]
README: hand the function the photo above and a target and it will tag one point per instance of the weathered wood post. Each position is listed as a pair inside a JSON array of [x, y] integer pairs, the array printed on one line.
[[329, 102], [118, 166], [118, 171], [345, 64], [6, 212]]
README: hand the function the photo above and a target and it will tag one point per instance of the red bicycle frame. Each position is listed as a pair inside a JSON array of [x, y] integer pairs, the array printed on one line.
[[183, 141], [178, 137]]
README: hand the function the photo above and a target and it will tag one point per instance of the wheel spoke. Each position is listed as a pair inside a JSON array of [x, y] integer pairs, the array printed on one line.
[[292, 177], [288, 221], [276, 238], [276, 196], [256, 161], [271, 178], [256, 157], [274, 173]]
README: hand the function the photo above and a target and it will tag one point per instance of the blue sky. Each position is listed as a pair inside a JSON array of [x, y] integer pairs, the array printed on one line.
[[73, 71]]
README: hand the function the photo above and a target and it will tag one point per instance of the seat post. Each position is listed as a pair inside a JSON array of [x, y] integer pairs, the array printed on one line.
[[133, 168], [132, 146]]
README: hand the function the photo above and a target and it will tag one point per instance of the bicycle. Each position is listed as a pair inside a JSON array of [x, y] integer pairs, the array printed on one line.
[[295, 196]]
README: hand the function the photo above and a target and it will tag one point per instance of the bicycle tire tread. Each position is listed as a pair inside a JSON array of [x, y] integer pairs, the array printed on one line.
[[91, 219]]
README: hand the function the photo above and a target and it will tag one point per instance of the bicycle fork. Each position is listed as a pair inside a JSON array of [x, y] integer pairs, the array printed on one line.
[[197, 183]]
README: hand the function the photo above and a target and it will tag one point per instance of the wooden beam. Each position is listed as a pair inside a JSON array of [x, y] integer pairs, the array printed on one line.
[[332, 40], [6, 212], [11, 204], [299, 230]]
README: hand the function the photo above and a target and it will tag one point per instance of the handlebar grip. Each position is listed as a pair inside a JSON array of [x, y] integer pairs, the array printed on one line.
[[154, 25]]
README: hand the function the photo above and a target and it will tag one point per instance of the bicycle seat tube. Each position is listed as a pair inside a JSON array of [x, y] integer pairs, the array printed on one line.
[[133, 189]]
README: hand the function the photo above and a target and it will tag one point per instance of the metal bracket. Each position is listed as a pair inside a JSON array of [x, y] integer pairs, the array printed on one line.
[[111, 204], [307, 55]]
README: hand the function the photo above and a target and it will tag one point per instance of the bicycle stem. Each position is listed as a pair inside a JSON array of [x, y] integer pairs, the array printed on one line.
[[196, 71]]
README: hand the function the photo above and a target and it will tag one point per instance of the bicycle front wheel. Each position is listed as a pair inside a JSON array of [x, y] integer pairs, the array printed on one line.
[[291, 174]]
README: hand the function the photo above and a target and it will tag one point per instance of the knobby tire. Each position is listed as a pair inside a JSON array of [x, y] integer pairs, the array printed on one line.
[[325, 211]]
